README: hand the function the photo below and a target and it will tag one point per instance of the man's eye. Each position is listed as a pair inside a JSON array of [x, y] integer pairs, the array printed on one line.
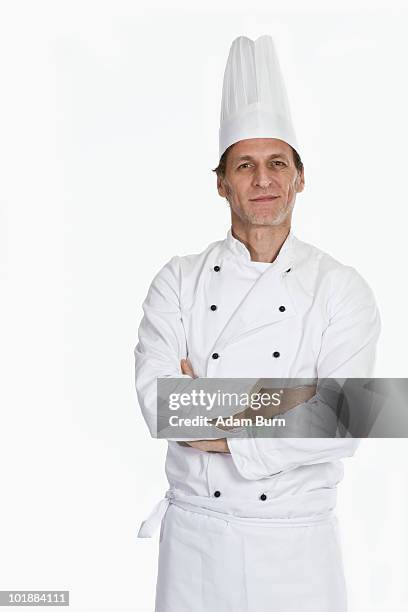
[[246, 164]]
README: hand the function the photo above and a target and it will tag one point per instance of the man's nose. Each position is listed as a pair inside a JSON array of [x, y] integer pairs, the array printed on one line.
[[264, 183], [263, 178]]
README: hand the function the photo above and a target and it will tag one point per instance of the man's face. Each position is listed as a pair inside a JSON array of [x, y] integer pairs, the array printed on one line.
[[256, 168]]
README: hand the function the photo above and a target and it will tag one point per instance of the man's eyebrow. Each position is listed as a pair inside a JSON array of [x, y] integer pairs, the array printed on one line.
[[249, 157]]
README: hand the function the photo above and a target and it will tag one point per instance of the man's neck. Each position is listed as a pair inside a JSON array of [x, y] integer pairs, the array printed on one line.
[[262, 242]]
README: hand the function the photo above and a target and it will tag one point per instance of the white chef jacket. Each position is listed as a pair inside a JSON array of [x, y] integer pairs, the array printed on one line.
[[305, 315]]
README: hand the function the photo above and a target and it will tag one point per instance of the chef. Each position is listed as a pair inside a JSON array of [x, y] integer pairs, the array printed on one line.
[[249, 524]]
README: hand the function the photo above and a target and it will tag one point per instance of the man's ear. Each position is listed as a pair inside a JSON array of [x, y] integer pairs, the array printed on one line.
[[300, 181], [220, 187]]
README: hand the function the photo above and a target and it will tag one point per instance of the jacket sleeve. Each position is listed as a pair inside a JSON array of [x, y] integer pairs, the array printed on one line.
[[161, 341], [348, 350]]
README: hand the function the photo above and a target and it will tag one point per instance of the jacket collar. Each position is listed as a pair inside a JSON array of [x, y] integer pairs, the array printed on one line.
[[260, 306], [283, 260]]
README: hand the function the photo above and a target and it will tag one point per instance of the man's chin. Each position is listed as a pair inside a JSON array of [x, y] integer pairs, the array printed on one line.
[[264, 220]]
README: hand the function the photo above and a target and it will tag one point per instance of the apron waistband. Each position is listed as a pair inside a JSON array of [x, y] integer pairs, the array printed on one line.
[[232, 518], [320, 508]]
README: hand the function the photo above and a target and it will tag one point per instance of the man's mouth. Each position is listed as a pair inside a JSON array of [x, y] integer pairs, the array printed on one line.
[[264, 198]]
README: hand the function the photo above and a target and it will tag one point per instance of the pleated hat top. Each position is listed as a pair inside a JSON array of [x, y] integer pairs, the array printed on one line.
[[254, 99]]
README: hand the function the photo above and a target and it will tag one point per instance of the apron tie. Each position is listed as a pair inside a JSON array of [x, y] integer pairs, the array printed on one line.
[[149, 525]]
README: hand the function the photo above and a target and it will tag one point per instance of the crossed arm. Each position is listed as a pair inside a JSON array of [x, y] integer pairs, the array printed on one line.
[[347, 350], [220, 445]]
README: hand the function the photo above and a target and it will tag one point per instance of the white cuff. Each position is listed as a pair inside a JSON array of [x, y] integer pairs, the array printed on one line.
[[248, 461]]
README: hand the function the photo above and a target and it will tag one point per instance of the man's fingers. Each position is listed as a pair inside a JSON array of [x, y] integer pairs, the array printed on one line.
[[187, 369]]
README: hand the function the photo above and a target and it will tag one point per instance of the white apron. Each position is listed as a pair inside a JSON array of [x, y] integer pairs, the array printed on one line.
[[211, 563], [253, 530], [215, 560]]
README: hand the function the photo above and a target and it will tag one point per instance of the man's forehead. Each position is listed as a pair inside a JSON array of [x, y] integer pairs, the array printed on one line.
[[259, 147]]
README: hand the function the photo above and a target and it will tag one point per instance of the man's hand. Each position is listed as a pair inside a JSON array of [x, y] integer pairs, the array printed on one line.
[[210, 446], [291, 398]]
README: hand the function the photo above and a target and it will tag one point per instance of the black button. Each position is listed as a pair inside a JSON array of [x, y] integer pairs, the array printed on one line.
[[263, 497], [276, 354], [213, 307], [217, 268], [215, 355], [282, 308], [288, 270], [217, 493]]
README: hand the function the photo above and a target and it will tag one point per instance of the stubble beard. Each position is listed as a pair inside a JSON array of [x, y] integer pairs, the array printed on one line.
[[267, 218]]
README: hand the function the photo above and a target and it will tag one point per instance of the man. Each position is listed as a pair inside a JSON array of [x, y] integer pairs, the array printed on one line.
[[249, 524]]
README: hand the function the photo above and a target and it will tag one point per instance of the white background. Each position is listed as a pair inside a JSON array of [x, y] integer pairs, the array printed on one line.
[[108, 132]]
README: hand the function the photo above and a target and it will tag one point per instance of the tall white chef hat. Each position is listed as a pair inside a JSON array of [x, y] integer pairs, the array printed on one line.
[[254, 100]]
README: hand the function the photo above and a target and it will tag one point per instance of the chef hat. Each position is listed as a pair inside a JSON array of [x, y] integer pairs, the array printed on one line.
[[254, 100]]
